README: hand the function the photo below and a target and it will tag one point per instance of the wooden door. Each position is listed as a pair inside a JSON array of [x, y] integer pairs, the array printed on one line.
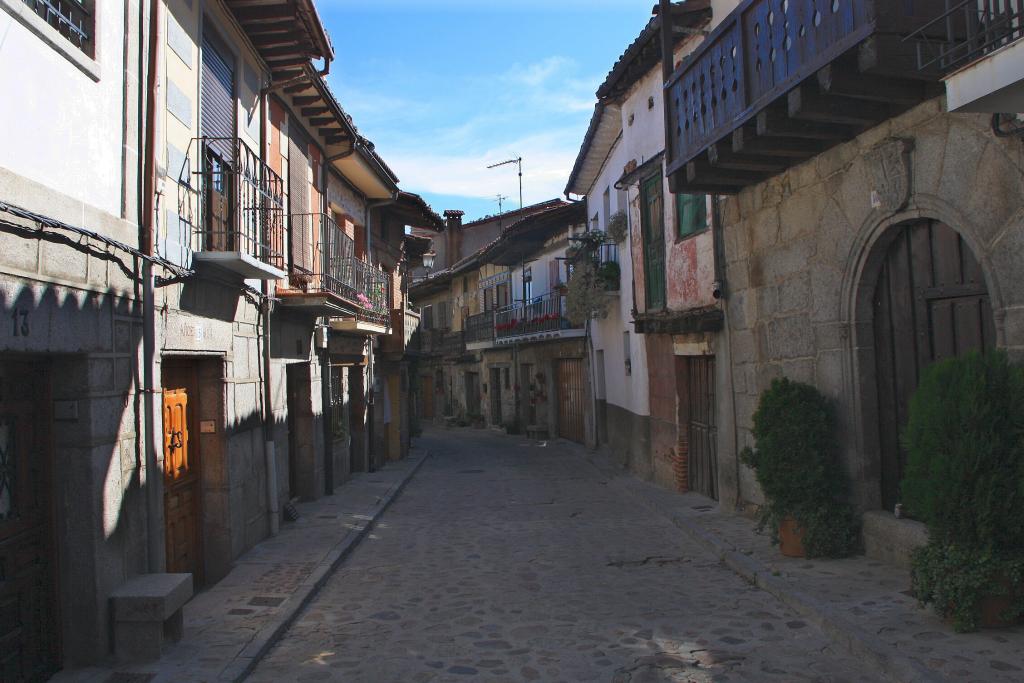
[[300, 427], [652, 218], [473, 406], [495, 390], [182, 482], [427, 398], [701, 425], [29, 641], [930, 303], [357, 417], [526, 393], [571, 399]]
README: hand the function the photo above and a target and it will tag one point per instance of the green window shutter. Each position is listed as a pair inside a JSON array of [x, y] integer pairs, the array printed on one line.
[[691, 214]]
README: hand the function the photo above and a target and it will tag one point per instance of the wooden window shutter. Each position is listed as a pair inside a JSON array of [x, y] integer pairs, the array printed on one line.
[[300, 237]]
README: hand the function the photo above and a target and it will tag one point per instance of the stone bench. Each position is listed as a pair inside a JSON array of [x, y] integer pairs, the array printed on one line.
[[536, 432], [147, 612]]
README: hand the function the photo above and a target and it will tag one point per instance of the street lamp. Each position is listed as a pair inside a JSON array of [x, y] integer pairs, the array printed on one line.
[[428, 260]]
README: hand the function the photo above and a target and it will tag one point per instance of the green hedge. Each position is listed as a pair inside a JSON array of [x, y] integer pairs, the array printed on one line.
[[797, 466], [965, 481]]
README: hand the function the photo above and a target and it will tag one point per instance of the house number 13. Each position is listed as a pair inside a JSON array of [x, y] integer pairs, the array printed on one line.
[[20, 320]]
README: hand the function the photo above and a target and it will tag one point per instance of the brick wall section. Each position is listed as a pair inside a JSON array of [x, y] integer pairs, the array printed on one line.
[[663, 407]]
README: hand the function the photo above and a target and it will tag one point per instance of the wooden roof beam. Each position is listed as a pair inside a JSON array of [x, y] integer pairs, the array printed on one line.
[[745, 140], [778, 122], [314, 111], [806, 102], [834, 79], [722, 155]]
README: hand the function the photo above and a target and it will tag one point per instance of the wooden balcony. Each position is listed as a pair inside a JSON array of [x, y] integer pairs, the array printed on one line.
[[780, 81]]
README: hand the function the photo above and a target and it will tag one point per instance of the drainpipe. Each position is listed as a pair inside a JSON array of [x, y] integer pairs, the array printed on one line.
[[370, 376], [155, 550], [269, 445]]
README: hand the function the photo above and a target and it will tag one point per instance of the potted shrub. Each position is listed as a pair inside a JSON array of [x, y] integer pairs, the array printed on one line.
[[796, 463], [965, 481]]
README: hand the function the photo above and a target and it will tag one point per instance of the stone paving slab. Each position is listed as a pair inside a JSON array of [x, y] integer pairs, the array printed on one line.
[[230, 625], [504, 562], [864, 605]]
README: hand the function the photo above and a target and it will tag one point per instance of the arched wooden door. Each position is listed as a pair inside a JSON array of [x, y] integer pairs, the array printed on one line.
[[930, 303]]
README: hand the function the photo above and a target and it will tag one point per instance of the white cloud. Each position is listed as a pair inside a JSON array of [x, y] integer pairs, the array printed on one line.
[[547, 159]]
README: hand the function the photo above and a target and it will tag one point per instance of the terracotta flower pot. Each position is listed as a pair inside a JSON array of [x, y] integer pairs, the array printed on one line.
[[992, 607], [791, 538]]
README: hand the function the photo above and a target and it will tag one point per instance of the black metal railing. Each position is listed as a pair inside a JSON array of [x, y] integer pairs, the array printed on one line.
[[480, 327], [544, 314], [967, 31], [233, 201], [430, 340], [72, 19], [323, 260], [453, 343]]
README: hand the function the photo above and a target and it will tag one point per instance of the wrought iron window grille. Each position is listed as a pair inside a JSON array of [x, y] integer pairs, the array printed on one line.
[[72, 19]]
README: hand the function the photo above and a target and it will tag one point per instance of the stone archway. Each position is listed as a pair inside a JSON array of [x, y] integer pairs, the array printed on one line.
[[925, 296]]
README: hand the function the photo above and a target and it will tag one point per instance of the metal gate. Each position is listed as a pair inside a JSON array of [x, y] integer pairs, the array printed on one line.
[[181, 480], [29, 643], [930, 303], [571, 399], [703, 431]]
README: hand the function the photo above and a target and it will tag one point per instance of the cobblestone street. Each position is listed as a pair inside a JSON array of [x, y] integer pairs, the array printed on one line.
[[508, 560]]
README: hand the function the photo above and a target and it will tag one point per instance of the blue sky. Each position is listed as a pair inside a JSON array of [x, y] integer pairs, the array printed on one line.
[[446, 88]]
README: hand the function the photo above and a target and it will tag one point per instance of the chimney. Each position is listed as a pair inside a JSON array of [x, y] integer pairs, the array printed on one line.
[[453, 234]]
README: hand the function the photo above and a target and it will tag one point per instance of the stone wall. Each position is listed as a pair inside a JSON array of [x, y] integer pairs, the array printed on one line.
[[804, 248]]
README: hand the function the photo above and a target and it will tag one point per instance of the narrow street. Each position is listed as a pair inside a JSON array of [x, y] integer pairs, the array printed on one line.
[[508, 560]]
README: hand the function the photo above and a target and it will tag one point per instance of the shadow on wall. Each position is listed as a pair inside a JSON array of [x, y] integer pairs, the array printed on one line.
[[70, 367]]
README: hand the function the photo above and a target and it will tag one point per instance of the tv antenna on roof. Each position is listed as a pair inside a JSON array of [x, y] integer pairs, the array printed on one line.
[[501, 198], [518, 161]]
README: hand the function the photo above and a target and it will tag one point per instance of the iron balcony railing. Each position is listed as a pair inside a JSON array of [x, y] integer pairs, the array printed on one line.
[[453, 343], [543, 314], [480, 327], [233, 201], [967, 31], [323, 260], [71, 18], [430, 340]]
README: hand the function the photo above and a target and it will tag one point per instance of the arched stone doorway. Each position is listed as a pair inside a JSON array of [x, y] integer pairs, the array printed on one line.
[[930, 302]]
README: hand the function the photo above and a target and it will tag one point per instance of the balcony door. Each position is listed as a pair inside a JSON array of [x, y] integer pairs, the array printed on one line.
[[652, 220]]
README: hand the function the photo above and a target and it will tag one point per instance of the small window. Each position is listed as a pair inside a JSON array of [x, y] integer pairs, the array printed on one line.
[[691, 213], [73, 19]]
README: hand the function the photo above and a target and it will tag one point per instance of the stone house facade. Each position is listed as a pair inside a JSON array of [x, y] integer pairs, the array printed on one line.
[[172, 302]]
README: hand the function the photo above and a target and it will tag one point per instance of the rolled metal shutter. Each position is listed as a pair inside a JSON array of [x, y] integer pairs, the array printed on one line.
[[301, 238], [217, 99]]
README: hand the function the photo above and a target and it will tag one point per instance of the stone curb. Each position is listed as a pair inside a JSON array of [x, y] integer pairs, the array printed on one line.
[[244, 662], [844, 632]]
